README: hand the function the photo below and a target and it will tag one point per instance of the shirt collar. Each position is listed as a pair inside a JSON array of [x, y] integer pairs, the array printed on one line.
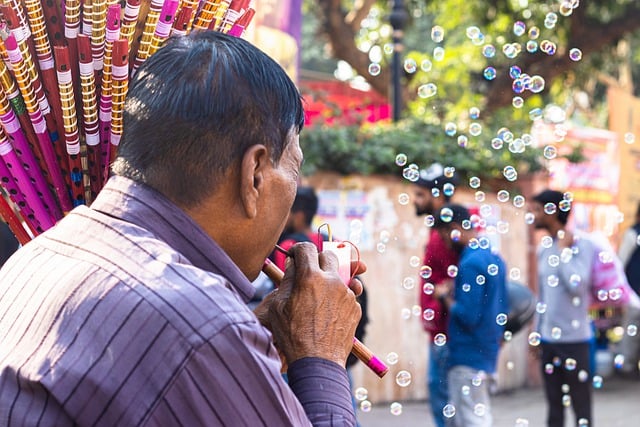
[[140, 204]]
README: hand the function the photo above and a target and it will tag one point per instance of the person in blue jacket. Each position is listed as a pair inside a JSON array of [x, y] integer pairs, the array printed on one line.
[[478, 307]]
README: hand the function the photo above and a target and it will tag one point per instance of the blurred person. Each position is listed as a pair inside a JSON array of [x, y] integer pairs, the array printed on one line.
[[133, 311], [298, 227], [629, 254], [565, 265], [429, 196], [477, 306]]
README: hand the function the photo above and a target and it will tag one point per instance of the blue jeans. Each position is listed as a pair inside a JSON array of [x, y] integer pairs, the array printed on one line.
[[437, 381]]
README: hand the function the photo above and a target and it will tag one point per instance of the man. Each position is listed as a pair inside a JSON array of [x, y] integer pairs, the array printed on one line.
[[477, 308], [429, 197], [133, 312], [564, 267], [629, 254]]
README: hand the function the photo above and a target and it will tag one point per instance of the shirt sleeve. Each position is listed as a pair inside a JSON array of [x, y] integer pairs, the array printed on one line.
[[234, 379]]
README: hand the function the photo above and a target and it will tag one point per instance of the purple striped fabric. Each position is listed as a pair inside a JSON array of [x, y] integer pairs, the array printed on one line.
[[127, 314]]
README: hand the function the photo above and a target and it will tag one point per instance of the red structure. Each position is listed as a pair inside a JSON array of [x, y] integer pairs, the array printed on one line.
[[338, 103]]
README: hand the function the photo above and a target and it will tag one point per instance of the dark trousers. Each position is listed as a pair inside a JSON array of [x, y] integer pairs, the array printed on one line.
[[570, 375]]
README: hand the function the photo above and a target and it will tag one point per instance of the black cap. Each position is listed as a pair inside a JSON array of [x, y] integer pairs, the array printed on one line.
[[555, 197], [434, 177], [549, 196], [451, 213]]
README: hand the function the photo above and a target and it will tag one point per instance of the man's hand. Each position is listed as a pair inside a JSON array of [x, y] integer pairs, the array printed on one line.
[[313, 314]]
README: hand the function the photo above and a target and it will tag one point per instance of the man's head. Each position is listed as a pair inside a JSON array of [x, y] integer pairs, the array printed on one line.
[[551, 210], [429, 190], [212, 123], [453, 222], [196, 106], [304, 208]]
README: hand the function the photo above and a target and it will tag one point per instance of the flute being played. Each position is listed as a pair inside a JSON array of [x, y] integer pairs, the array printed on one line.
[[359, 350]]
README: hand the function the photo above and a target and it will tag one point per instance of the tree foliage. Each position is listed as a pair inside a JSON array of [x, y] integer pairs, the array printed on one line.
[[353, 30]]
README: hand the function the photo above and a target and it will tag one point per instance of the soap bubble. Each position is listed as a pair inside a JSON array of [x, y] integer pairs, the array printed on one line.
[[489, 73], [410, 65], [361, 394], [449, 410], [440, 339], [534, 339], [365, 406], [575, 54], [519, 28], [403, 378], [437, 33], [395, 408], [474, 182], [450, 129], [375, 69], [489, 51], [392, 358], [427, 90], [401, 159]]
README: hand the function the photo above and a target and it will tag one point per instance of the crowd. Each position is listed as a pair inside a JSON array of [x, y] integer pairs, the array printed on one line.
[[573, 268]]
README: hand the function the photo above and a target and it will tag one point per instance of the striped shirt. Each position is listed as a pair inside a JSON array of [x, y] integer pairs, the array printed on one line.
[[128, 314]]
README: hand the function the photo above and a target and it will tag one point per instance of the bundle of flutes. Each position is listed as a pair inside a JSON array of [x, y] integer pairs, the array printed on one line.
[[64, 72]]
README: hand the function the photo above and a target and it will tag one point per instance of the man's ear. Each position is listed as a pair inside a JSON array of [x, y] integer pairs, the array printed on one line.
[[252, 177]]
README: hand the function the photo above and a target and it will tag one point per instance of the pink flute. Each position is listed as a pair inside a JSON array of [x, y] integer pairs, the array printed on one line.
[[243, 22], [28, 160], [38, 121], [21, 40], [71, 134], [32, 189], [163, 27], [120, 86], [90, 114], [181, 23], [10, 88], [113, 34], [18, 186], [14, 223]]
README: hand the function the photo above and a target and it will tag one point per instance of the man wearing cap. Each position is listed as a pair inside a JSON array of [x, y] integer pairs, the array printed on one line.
[[432, 190], [477, 307], [565, 263]]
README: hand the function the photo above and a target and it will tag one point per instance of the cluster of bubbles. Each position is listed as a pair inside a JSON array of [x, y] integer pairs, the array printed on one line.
[[504, 138]]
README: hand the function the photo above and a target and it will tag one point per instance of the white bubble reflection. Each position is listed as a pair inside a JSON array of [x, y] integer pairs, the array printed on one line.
[[408, 283], [361, 394], [365, 406], [440, 339], [403, 378], [401, 159], [404, 199], [395, 408], [437, 33], [427, 90], [375, 69], [392, 358], [449, 410]]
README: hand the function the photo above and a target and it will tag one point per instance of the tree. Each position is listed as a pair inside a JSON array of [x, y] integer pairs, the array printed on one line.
[[580, 49]]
